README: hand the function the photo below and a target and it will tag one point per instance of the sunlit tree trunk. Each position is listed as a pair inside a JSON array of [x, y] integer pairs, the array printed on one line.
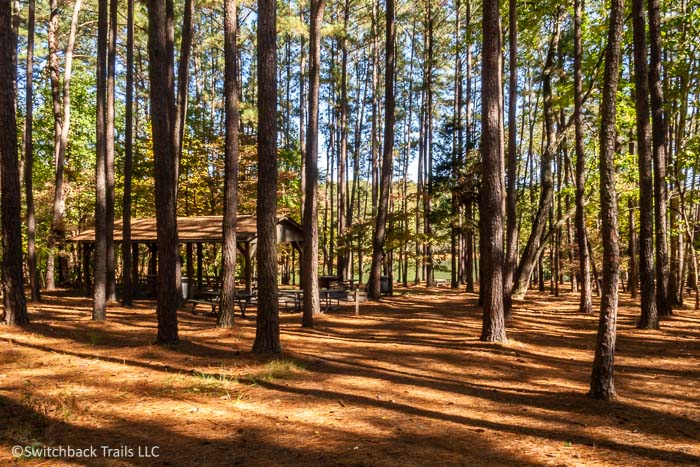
[[429, 193], [457, 146], [128, 278], [602, 383], [633, 281], [511, 200], [161, 65], [61, 112], [309, 269], [29, 158], [99, 312], [492, 183], [109, 169], [659, 128], [379, 235], [343, 153], [267, 332], [230, 221], [649, 317], [15, 308], [529, 258]]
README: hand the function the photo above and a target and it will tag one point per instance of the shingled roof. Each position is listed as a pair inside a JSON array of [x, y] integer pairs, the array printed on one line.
[[200, 229]]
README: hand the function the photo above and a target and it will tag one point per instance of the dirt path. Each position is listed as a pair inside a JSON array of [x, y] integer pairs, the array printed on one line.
[[406, 383]]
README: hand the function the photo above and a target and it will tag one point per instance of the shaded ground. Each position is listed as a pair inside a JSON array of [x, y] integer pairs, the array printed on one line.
[[406, 383]]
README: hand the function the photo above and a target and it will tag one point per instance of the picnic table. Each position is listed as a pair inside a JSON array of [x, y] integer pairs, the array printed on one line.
[[295, 295], [212, 298], [327, 296]]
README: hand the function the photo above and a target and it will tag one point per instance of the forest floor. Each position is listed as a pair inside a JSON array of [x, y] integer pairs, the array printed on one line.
[[406, 383]]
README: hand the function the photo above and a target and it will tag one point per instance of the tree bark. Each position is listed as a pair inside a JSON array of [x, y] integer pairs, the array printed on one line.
[[183, 80], [109, 161], [457, 145], [267, 332], [649, 318], [375, 107], [230, 221], [491, 199], [633, 281], [511, 194], [99, 312], [128, 161], [61, 111], [428, 195], [659, 153], [161, 64], [374, 290], [343, 154], [29, 157], [602, 382], [15, 307], [311, 303], [527, 262]]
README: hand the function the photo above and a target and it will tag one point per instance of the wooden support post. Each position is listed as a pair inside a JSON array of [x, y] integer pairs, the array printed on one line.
[[199, 266], [153, 268], [153, 260], [357, 300], [294, 265], [79, 279], [135, 264], [190, 270], [248, 270], [86, 267], [298, 246]]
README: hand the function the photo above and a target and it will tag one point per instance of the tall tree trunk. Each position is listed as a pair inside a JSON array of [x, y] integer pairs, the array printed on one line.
[[659, 152], [309, 268], [230, 221], [420, 192], [428, 198], [633, 281], [356, 197], [527, 262], [302, 117], [511, 200], [491, 200], [99, 312], [469, 208], [127, 267], [109, 169], [675, 286], [183, 80], [649, 317], [343, 154], [161, 64], [58, 203], [457, 145], [374, 291], [267, 332], [602, 383], [29, 157], [61, 111], [375, 107], [15, 307]]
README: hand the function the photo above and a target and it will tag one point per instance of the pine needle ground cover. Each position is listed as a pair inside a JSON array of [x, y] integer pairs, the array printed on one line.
[[405, 383]]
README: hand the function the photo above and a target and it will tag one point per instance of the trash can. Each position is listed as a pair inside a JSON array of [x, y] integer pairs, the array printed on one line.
[[384, 284], [185, 287]]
